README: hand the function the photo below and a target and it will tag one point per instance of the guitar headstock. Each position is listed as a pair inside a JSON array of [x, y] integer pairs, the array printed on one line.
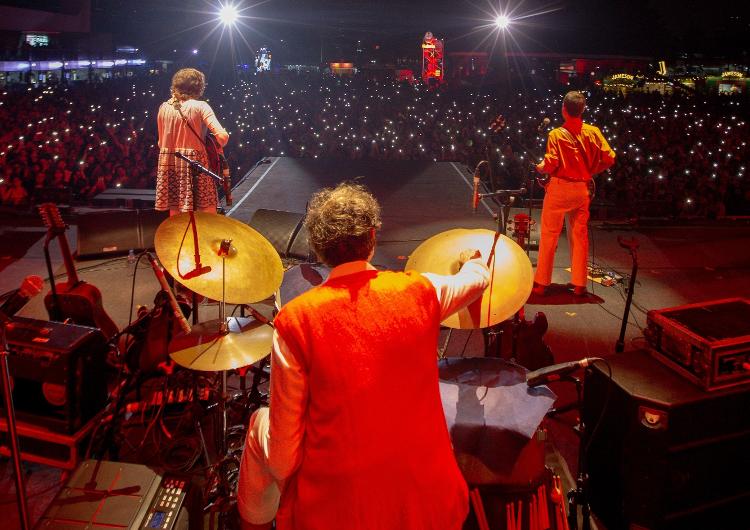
[[498, 124], [51, 216]]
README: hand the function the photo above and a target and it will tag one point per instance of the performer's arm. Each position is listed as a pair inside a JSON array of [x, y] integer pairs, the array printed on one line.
[[459, 290], [607, 157], [289, 394], [551, 157], [209, 118]]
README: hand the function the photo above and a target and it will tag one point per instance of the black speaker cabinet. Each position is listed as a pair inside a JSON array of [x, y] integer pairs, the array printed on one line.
[[284, 230], [115, 232], [667, 454], [58, 372]]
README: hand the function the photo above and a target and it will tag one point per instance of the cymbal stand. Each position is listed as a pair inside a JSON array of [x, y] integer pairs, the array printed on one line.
[[225, 248], [10, 417]]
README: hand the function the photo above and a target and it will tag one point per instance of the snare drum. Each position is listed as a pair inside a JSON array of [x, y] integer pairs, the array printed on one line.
[[493, 418]]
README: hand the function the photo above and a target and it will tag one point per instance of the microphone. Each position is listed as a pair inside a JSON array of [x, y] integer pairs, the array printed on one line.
[[183, 157], [198, 271], [477, 175], [30, 287], [181, 320], [553, 373], [543, 124]]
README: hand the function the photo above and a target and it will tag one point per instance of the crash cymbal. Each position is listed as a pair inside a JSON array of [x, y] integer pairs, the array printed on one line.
[[510, 283], [207, 349], [253, 267]]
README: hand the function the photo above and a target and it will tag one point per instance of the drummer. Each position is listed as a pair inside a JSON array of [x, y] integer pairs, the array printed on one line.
[[355, 436]]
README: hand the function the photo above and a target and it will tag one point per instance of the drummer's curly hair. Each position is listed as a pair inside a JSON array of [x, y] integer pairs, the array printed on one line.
[[339, 222], [188, 83]]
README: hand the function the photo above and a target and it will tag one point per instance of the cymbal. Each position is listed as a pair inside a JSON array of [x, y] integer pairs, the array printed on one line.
[[206, 349], [253, 269], [511, 277]]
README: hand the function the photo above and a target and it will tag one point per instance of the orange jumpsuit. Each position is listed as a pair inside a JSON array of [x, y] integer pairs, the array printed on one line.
[[575, 152]]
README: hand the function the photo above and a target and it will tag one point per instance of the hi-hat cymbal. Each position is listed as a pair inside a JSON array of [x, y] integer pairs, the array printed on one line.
[[252, 271], [207, 349], [511, 275]]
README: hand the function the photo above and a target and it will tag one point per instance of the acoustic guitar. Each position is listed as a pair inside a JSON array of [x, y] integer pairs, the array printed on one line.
[[74, 299]]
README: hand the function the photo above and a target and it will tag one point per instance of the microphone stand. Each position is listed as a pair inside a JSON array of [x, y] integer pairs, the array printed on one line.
[[199, 269], [631, 245], [504, 200], [10, 418]]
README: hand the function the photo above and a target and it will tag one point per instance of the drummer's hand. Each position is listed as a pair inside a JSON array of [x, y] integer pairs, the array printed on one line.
[[468, 254]]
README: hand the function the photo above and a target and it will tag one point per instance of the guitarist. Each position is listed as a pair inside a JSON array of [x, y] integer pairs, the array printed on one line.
[[575, 153], [183, 121]]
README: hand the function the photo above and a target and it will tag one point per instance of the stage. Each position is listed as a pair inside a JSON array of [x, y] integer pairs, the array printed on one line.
[[678, 264]]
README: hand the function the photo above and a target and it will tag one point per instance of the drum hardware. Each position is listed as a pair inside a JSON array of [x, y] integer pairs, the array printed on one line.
[[220, 271], [10, 416]]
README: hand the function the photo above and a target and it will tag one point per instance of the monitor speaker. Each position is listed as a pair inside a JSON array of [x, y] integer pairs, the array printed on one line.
[[667, 454], [285, 231], [115, 232]]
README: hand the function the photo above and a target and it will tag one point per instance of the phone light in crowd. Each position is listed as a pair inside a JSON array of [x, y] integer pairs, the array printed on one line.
[[228, 14], [502, 21]]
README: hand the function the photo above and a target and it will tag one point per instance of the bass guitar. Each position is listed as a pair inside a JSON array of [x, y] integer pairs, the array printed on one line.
[[74, 299]]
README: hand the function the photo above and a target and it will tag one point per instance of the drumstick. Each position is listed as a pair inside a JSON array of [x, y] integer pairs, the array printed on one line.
[[476, 501]]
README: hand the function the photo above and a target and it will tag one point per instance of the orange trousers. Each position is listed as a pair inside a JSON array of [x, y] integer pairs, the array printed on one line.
[[563, 198]]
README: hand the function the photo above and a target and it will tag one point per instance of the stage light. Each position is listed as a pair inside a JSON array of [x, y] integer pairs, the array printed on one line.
[[502, 21], [228, 14], [195, 52]]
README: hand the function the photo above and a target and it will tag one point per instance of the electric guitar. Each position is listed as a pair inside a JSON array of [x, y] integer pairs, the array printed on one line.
[[74, 299]]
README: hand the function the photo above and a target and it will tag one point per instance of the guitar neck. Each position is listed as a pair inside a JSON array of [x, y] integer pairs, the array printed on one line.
[[70, 267]]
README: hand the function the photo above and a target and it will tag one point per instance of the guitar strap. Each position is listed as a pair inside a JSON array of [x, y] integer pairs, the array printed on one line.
[[178, 106]]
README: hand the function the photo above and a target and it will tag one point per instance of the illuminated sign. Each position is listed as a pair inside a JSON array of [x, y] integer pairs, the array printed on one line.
[[37, 40], [733, 75], [626, 77], [662, 68]]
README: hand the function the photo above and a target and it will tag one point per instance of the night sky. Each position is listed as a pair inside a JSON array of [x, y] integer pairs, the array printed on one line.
[[661, 28]]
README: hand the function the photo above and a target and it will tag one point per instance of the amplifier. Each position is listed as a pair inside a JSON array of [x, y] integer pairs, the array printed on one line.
[[103, 494], [58, 373], [708, 343]]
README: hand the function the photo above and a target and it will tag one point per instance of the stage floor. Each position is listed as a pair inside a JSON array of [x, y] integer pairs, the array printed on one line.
[[678, 264]]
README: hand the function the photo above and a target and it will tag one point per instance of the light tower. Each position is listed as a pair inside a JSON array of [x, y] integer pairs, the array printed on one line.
[[432, 60]]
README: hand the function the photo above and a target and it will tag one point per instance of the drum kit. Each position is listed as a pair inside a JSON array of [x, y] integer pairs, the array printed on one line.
[[227, 261]]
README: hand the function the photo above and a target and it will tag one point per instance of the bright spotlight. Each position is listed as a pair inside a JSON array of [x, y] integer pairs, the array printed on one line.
[[228, 14], [502, 21]]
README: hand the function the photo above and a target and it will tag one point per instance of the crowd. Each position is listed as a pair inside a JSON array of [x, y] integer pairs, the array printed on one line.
[[678, 155]]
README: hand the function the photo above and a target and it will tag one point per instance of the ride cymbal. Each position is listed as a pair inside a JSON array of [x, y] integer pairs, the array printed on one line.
[[511, 276], [208, 349], [252, 271]]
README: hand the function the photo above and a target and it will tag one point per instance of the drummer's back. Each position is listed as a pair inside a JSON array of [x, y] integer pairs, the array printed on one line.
[[375, 435]]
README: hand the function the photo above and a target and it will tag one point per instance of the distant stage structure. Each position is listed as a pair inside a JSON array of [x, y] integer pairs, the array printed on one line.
[[433, 72], [263, 60]]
